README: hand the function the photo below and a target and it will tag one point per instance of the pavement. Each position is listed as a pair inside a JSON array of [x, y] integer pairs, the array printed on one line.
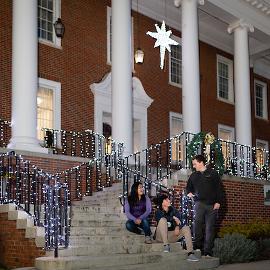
[[258, 265]]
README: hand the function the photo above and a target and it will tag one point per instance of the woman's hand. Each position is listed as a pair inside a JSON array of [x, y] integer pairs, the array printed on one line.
[[138, 221]]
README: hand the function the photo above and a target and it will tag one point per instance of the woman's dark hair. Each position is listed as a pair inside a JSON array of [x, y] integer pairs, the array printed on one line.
[[133, 197]]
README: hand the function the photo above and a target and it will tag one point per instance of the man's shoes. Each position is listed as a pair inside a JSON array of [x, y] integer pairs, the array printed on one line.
[[192, 258], [167, 248], [148, 240], [207, 256]]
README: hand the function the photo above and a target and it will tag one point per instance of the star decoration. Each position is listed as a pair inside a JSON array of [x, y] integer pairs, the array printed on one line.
[[163, 40]]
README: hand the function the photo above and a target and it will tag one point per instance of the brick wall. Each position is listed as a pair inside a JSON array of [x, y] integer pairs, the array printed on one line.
[[82, 60], [15, 249], [243, 200]]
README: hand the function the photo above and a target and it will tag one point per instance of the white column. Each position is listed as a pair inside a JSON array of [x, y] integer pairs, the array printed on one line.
[[190, 66], [24, 77], [122, 130], [242, 81]]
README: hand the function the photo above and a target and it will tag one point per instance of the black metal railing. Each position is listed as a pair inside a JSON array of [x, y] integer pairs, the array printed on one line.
[[46, 197], [86, 143], [5, 132], [161, 160]]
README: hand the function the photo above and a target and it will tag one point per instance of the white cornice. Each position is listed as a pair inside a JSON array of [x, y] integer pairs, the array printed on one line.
[[242, 9], [177, 3]]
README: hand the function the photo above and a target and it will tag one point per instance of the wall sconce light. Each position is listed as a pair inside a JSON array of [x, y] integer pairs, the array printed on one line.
[[59, 28], [139, 54]]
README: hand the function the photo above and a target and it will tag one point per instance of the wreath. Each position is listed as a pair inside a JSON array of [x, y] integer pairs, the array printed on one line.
[[210, 147]]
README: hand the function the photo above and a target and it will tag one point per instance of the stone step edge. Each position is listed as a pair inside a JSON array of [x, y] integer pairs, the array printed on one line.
[[26, 222]]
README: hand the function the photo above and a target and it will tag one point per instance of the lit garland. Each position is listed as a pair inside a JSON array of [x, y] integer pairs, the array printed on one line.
[[214, 156]]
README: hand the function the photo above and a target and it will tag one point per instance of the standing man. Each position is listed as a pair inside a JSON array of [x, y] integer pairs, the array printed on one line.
[[204, 185]]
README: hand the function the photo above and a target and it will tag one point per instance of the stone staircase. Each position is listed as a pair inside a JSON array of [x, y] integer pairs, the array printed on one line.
[[99, 241]]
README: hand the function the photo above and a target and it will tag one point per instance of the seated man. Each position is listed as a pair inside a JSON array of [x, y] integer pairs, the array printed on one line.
[[169, 229]]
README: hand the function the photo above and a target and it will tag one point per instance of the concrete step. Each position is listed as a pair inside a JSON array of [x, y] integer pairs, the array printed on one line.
[[170, 264], [96, 230], [87, 209], [98, 203], [99, 216], [117, 248], [105, 239], [97, 223], [4, 208], [91, 262]]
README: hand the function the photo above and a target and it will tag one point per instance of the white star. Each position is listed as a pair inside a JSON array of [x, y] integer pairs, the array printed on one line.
[[163, 40]]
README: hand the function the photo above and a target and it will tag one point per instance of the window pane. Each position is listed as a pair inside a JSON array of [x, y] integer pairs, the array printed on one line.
[[176, 64], [45, 19], [223, 80], [259, 100], [45, 110]]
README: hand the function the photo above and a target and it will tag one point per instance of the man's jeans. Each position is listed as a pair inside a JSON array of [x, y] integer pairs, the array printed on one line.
[[133, 227], [206, 216]]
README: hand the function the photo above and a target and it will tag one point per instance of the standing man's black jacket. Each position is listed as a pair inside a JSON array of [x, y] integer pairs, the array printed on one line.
[[206, 186]]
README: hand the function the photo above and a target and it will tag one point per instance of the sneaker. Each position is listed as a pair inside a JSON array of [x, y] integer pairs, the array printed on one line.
[[148, 240], [192, 258], [167, 248], [207, 256]]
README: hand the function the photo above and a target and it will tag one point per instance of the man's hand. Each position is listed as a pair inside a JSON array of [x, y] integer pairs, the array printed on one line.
[[176, 219], [190, 195], [177, 231], [138, 221], [216, 206]]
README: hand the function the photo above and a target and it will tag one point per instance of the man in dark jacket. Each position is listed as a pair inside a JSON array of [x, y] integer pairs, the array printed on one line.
[[169, 228], [204, 185]]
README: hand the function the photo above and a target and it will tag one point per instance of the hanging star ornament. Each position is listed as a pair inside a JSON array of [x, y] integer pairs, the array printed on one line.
[[163, 40]]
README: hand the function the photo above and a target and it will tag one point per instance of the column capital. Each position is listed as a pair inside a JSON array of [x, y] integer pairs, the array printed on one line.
[[240, 24], [177, 3]]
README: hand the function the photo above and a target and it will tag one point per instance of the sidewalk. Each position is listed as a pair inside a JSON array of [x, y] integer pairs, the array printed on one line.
[[259, 265]]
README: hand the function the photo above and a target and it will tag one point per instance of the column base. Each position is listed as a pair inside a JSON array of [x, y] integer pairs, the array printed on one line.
[[26, 144]]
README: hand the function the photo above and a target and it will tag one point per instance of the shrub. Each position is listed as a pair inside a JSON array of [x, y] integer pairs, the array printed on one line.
[[235, 248], [256, 229]]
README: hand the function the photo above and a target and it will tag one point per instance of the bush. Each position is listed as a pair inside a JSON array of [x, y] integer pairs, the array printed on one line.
[[234, 248], [257, 229]]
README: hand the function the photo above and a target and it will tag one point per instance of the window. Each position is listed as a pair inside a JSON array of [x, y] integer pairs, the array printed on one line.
[[226, 134], [261, 100], [48, 106], [176, 128], [225, 79], [48, 12], [109, 37], [175, 63], [261, 154]]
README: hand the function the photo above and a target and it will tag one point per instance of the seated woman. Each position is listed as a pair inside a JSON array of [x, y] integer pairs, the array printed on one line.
[[169, 229], [137, 209]]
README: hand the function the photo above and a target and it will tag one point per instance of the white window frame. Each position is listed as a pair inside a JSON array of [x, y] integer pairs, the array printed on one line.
[[228, 62], [57, 14], [175, 115], [109, 60], [179, 40], [266, 143], [56, 88], [226, 128], [265, 107]]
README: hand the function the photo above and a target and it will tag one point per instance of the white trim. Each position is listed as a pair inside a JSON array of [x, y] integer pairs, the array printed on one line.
[[228, 129], [179, 40], [57, 42], [266, 143], [174, 115], [228, 62], [102, 104], [56, 87], [265, 107]]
